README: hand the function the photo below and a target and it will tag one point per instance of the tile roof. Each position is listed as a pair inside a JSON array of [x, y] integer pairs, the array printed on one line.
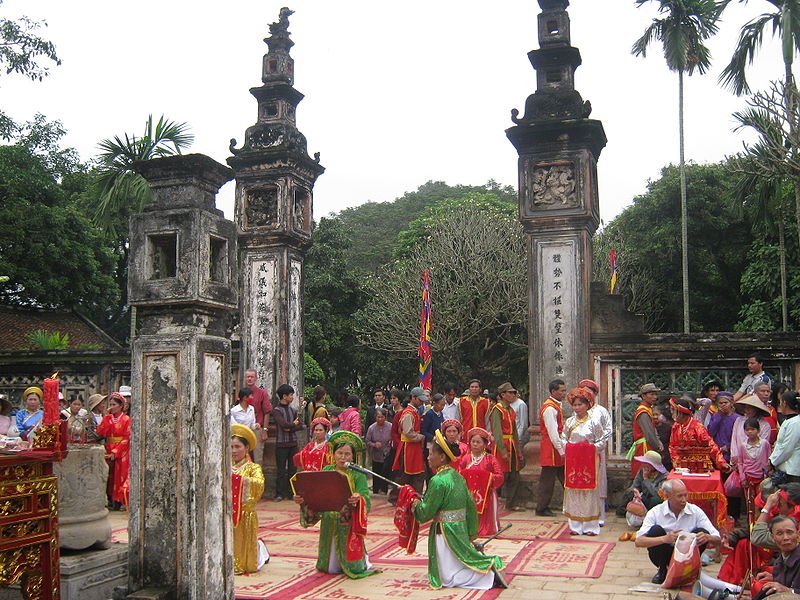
[[17, 323]]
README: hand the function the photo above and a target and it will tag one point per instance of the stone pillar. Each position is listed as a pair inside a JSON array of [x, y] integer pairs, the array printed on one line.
[[274, 183], [182, 279], [558, 148]]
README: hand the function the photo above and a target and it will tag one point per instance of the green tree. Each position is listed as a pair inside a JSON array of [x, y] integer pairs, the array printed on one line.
[[23, 52], [647, 237], [374, 226], [332, 293], [49, 249], [682, 31], [475, 251], [785, 23]]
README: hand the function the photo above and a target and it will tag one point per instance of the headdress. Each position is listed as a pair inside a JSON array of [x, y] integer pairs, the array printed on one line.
[[321, 421], [589, 383], [451, 423], [680, 406], [347, 437], [116, 396], [442, 443], [33, 390], [244, 432], [581, 392], [481, 432]]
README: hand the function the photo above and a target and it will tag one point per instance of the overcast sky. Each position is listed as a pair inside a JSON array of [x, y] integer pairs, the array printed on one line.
[[397, 93]]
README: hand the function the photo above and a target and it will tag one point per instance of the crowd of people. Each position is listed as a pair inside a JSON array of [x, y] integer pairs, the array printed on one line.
[[751, 437], [104, 421]]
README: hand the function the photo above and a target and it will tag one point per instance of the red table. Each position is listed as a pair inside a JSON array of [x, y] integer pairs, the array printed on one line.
[[706, 491]]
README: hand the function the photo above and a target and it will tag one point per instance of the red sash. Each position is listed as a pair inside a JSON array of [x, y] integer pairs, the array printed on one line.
[[580, 466], [407, 526], [358, 530], [479, 482], [236, 484]]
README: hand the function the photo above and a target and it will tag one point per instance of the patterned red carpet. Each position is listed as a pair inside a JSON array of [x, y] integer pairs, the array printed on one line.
[[532, 547]]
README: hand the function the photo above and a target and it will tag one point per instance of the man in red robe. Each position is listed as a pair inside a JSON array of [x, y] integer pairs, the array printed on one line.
[[473, 409], [688, 432], [408, 459], [506, 449], [645, 436]]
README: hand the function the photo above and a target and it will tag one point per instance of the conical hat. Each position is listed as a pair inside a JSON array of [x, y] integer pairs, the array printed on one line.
[[751, 400]]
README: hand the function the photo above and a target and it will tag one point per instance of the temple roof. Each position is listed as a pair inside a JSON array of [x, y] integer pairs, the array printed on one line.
[[17, 323]]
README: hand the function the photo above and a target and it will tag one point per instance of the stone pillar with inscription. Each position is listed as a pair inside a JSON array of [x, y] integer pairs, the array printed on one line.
[[558, 146], [182, 279], [275, 178]]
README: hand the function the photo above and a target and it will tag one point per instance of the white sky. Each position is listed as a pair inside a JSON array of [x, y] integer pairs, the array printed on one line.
[[397, 93]]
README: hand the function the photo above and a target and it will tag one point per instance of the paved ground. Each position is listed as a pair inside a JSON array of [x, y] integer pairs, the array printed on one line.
[[626, 567]]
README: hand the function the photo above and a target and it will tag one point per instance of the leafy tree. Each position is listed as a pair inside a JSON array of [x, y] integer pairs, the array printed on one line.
[[682, 31], [332, 294], [476, 255], [51, 252], [374, 226], [21, 50], [647, 237]]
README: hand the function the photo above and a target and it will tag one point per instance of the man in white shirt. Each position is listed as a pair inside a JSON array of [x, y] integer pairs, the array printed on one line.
[[755, 375], [664, 522], [450, 410], [521, 411]]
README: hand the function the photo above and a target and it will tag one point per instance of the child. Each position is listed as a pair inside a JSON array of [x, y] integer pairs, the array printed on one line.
[[754, 464]]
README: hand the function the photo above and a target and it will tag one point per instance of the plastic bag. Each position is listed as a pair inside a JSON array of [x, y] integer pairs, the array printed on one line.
[[636, 507], [733, 485], [684, 566]]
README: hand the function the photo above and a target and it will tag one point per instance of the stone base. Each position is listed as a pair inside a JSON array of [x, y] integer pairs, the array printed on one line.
[[93, 575]]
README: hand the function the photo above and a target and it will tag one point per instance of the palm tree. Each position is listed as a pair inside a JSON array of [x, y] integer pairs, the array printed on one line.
[[120, 190], [784, 22], [682, 31]]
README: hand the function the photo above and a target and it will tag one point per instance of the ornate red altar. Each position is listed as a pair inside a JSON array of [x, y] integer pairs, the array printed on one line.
[[706, 491], [29, 552]]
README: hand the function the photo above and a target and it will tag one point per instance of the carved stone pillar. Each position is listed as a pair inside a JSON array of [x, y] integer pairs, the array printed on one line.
[[274, 183], [182, 279], [558, 148]]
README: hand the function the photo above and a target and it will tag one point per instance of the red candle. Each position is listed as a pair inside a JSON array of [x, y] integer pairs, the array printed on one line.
[[51, 407]]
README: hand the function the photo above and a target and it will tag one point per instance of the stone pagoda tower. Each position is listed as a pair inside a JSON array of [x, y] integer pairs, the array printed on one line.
[[274, 182], [558, 148]]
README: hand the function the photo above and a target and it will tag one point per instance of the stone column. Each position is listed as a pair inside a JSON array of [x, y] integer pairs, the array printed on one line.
[[558, 148], [274, 202], [182, 280]]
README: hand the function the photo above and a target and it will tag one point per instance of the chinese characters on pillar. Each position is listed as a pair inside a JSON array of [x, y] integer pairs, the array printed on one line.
[[556, 308]]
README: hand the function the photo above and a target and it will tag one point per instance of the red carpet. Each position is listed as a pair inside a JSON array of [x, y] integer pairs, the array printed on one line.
[[532, 547]]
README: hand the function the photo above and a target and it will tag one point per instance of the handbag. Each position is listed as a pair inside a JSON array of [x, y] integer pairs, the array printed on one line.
[[636, 507]]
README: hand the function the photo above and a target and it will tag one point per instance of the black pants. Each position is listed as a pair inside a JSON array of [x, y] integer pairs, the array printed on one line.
[[547, 481], [285, 467], [379, 485], [661, 554]]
